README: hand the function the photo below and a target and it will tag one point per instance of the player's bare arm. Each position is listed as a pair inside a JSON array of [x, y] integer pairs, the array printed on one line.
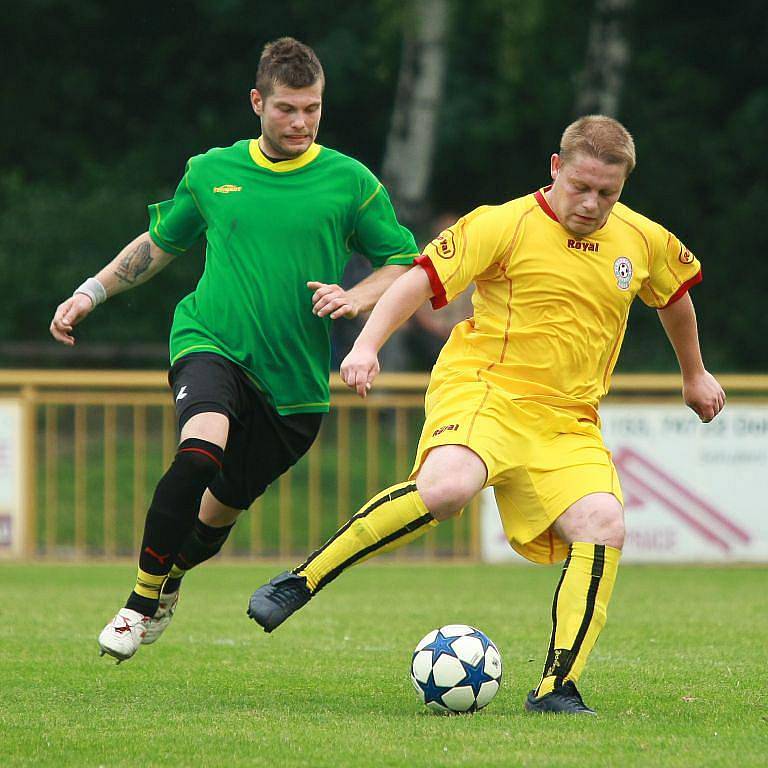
[[333, 300], [361, 366], [138, 262], [701, 390]]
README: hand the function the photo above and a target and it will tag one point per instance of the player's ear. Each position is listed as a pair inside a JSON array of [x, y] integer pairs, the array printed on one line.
[[257, 103], [555, 164]]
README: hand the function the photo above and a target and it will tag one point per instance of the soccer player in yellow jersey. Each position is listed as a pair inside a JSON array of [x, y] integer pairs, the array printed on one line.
[[513, 398]]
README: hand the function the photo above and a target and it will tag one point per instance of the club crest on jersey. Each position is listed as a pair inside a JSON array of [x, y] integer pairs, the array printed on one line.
[[622, 270], [225, 189], [444, 245], [686, 257]]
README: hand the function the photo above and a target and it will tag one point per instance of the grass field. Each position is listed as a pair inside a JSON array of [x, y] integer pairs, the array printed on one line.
[[678, 677]]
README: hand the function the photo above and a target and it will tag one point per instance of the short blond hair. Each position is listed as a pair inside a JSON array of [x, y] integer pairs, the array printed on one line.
[[600, 137]]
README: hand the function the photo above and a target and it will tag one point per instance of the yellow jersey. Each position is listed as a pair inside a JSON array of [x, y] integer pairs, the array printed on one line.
[[550, 308]]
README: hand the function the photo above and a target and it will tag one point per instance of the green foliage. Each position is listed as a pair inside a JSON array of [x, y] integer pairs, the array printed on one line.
[[675, 676], [107, 101]]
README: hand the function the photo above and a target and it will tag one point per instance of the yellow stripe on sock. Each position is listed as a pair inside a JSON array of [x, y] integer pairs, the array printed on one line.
[[148, 585], [176, 572]]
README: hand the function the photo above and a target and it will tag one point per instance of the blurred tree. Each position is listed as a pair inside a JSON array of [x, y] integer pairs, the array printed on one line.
[[599, 84], [104, 102], [412, 137]]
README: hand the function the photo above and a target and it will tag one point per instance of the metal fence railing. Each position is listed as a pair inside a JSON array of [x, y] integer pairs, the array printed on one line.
[[96, 442]]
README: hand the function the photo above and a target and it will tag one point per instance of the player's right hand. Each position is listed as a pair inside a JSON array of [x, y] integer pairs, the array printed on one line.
[[359, 368], [704, 395], [68, 314]]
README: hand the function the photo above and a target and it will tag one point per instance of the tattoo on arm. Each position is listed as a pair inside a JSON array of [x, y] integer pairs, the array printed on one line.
[[134, 264]]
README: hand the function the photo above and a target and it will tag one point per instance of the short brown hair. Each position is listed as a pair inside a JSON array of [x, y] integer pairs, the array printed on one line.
[[600, 137], [287, 62]]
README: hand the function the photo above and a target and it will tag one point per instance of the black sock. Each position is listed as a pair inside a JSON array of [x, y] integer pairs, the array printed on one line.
[[172, 515], [202, 543]]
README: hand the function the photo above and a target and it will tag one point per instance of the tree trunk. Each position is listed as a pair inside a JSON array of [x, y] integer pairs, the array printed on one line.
[[413, 131], [600, 82]]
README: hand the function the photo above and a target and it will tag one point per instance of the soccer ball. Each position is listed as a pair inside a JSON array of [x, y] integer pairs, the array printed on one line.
[[456, 669]]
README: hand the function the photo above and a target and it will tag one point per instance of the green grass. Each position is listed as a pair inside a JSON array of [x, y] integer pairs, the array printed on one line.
[[678, 676]]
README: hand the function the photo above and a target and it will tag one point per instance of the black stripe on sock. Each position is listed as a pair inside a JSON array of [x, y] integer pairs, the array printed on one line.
[[411, 487], [598, 565], [551, 652], [409, 528]]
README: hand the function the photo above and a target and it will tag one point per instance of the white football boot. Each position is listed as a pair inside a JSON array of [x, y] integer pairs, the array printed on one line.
[[162, 618], [122, 637]]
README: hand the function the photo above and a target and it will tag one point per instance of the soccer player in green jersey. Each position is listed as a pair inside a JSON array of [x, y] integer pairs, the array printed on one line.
[[250, 348]]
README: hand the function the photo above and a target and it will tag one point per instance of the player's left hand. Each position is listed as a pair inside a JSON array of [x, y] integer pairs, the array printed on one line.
[[704, 395], [333, 300]]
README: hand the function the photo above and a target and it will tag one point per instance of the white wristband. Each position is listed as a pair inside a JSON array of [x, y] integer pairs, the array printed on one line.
[[94, 290]]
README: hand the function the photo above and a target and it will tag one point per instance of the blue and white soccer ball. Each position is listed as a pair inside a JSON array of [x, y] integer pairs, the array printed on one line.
[[456, 669]]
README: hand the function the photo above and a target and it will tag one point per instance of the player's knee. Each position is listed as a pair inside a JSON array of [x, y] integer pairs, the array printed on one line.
[[449, 479], [595, 519], [607, 527], [614, 533], [196, 463], [446, 497]]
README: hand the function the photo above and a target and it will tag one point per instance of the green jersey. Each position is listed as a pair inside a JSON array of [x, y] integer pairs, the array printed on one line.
[[271, 227]]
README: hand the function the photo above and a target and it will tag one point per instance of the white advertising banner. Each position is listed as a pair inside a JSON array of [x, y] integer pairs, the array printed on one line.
[[10, 477], [693, 492]]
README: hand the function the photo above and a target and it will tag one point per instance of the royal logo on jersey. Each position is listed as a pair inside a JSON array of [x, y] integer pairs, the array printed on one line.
[[686, 257], [622, 270], [446, 428], [225, 189], [583, 245], [444, 245]]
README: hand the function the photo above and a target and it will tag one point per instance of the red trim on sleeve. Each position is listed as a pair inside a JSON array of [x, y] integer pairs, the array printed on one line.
[[542, 201], [438, 299], [683, 289]]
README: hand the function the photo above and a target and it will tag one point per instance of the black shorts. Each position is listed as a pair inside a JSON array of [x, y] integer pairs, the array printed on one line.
[[261, 445]]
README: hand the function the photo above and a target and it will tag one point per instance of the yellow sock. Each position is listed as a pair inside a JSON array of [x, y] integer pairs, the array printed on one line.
[[579, 611], [389, 520], [149, 585]]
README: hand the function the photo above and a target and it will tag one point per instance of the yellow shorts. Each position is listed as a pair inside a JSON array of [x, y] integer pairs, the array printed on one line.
[[540, 459]]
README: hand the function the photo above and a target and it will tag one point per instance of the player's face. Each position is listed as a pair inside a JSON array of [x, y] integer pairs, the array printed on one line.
[[583, 192], [290, 118]]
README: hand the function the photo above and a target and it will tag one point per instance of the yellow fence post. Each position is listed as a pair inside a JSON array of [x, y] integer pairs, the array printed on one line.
[[81, 457], [139, 472], [29, 465], [169, 435], [474, 528], [51, 478], [284, 511], [342, 464], [401, 456], [313, 493], [371, 451], [110, 494], [255, 512]]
